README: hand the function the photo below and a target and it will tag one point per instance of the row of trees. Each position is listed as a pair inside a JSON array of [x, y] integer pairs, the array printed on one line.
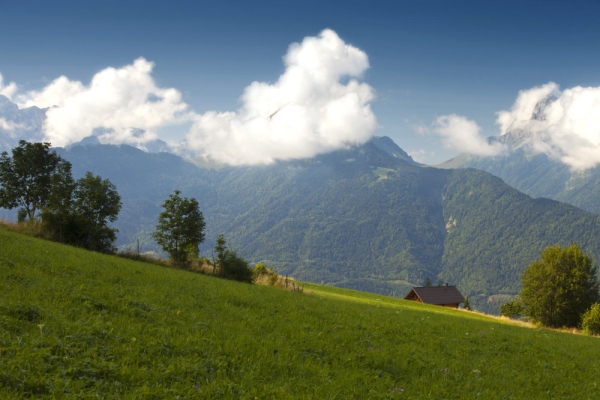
[[559, 290], [39, 183]]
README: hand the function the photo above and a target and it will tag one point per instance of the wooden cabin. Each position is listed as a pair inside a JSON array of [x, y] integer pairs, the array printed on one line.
[[446, 296]]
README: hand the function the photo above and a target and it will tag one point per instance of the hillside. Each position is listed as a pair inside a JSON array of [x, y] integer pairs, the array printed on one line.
[[366, 218], [77, 324]]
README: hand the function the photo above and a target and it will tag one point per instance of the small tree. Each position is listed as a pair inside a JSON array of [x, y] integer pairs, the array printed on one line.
[[560, 287], [427, 281], [232, 266], [180, 228], [590, 321], [26, 178], [467, 305]]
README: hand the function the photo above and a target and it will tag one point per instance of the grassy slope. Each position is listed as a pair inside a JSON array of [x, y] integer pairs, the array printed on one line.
[[74, 324]]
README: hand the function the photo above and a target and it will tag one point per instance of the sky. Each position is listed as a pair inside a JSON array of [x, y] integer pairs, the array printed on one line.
[[249, 82]]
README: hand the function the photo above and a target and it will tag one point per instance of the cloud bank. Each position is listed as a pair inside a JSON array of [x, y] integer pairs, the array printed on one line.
[[565, 125], [460, 133], [308, 110], [317, 105], [120, 105], [562, 124]]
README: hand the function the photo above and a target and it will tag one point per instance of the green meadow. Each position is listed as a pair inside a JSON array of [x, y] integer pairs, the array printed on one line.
[[77, 324]]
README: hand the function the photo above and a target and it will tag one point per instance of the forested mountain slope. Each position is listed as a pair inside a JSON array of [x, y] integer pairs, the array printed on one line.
[[367, 217]]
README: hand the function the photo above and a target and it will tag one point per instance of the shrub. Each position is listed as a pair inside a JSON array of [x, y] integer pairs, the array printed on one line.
[[590, 320], [512, 309], [235, 267], [259, 270]]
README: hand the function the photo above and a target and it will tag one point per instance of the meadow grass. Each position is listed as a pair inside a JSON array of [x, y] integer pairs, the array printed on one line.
[[78, 324]]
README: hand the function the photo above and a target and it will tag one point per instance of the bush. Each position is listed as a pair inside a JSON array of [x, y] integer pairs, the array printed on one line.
[[512, 309], [590, 321], [259, 270], [235, 267]]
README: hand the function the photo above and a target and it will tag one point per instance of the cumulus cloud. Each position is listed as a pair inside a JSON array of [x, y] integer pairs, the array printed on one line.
[[462, 134], [120, 105], [7, 90], [563, 124], [307, 111]]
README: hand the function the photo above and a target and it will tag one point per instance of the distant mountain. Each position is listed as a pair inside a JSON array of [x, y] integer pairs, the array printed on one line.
[[27, 124], [535, 173], [367, 217], [16, 124]]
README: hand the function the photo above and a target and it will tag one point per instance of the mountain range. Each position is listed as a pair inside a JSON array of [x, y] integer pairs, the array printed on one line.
[[366, 217], [533, 172]]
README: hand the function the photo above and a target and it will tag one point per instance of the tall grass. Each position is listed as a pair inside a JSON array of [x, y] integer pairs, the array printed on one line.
[[77, 324]]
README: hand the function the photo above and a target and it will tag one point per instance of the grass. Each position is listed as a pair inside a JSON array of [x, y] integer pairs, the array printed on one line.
[[77, 324]]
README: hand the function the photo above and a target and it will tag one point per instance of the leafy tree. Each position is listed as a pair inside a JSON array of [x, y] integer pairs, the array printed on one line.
[[512, 309], [590, 321], [78, 212], [560, 287], [96, 202], [26, 178], [58, 216], [180, 228]]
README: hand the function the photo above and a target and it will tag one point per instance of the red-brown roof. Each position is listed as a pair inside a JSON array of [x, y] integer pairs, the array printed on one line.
[[436, 294]]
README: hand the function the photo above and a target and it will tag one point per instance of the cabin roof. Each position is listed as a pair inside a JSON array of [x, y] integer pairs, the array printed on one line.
[[436, 294]]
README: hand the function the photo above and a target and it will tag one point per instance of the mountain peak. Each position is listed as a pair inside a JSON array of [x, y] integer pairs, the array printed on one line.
[[387, 145]]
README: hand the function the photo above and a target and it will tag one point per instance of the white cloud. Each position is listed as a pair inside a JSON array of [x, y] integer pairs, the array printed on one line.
[[10, 126], [7, 90], [564, 125], [462, 134], [520, 115], [124, 104], [317, 105], [420, 155], [308, 110]]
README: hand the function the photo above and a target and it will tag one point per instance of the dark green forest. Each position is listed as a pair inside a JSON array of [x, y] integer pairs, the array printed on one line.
[[366, 218]]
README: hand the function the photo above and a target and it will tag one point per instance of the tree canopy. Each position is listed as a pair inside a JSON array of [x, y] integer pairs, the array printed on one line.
[[26, 178], [96, 202], [560, 287], [180, 228]]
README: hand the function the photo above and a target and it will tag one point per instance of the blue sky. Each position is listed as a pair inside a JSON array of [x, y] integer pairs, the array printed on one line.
[[426, 58]]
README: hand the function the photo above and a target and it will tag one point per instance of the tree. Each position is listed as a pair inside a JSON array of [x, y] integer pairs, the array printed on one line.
[[78, 212], [560, 287], [180, 228], [58, 217], [26, 178], [467, 305], [95, 203], [232, 266]]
